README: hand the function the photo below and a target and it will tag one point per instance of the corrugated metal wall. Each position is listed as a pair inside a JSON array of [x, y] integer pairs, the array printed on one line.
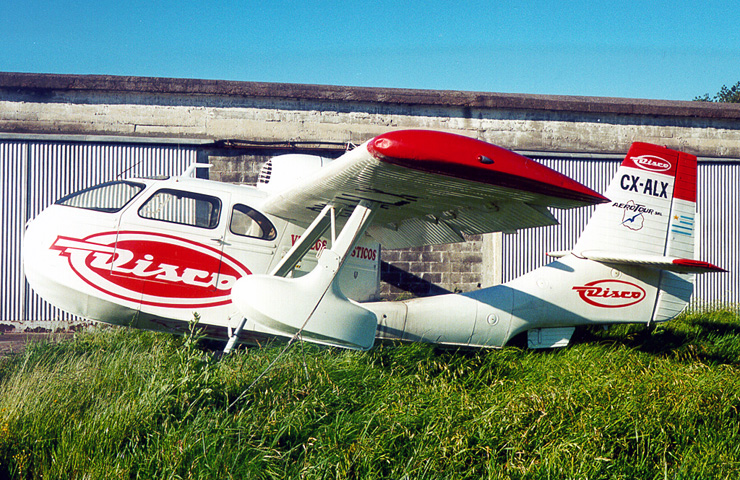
[[718, 200], [35, 174], [526, 250], [719, 233], [13, 163]]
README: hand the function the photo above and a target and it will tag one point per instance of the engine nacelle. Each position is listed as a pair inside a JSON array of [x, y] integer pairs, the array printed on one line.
[[281, 171]]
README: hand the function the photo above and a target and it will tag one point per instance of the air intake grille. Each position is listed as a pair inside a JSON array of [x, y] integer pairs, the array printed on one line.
[[265, 173]]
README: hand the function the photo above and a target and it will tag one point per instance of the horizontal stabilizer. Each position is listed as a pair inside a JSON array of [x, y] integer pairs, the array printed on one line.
[[659, 262]]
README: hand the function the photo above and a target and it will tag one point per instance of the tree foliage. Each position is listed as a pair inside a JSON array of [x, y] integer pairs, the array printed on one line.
[[725, 95]]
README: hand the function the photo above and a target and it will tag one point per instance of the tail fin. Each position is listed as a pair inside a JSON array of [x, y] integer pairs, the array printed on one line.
[[650, 222], [652, 208]]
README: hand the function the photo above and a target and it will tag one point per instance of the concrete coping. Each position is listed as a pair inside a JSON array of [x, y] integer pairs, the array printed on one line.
[[34, 82]]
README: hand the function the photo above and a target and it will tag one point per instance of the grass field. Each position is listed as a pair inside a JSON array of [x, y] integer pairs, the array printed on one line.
[[625, 403]]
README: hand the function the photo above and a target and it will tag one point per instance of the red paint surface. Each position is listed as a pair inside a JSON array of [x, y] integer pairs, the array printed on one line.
[[685, 188], [165, 268], [652, 158], [462, 157], [685, 262], [611, 293]]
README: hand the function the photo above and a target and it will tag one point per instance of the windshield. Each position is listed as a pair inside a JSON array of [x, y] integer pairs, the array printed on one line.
[[107, 197]]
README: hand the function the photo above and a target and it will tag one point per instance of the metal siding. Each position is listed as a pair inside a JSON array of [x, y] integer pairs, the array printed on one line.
[[13, 160], [719, 231], [526, 250], [35, 174]]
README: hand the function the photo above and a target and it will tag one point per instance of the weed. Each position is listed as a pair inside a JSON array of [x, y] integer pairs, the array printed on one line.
[[623, 403]]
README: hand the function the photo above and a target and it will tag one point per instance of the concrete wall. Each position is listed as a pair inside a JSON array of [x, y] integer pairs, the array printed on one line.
[[218, 110], [241, 124]]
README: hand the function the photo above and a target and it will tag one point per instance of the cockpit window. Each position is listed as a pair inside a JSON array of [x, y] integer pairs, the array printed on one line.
[[248, 222], [107, 197], [185, 208]]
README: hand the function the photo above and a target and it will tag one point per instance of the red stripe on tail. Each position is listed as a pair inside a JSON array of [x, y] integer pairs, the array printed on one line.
[[685, 188]]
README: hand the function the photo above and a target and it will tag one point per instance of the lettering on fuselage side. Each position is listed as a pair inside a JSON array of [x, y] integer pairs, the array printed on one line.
[[178, 273], [318, 246], [610, 293], [364, 253]]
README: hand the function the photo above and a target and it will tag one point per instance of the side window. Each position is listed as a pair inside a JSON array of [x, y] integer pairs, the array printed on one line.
[[185, 208], [248, 222]]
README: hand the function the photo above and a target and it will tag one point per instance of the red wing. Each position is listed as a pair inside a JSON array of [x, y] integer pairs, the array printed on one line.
[[433, 187]]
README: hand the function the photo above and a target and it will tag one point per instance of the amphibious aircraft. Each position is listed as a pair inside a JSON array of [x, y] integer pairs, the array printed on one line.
[[299, 253]]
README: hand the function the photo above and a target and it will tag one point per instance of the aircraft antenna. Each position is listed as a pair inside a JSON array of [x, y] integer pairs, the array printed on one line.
[[298, 335], [129, 168]]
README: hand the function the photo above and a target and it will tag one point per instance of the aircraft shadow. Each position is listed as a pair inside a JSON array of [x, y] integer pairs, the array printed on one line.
[[706, 341], [408, 282]]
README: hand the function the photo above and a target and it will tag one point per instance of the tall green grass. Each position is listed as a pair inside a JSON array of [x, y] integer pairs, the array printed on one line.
[[626, 403]]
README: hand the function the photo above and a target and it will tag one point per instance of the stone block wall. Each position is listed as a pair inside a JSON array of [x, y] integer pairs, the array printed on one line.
[[234, 166], [432, 269]]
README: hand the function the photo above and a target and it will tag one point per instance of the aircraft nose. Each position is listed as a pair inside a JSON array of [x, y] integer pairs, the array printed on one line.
[[47, 268], [37, 268]]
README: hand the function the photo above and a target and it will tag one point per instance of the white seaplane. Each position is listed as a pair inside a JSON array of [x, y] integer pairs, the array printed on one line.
[[299, 254]]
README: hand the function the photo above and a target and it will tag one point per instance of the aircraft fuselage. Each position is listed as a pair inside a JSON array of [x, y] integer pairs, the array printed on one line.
[[149, 253]]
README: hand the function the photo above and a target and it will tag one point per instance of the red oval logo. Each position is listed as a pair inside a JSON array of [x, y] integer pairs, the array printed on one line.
[[153, 269], [652, 163], [611, 293]]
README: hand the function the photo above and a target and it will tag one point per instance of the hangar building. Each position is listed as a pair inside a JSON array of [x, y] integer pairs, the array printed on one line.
[[61, 133]]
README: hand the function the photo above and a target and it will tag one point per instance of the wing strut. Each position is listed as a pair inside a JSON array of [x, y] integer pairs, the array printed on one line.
[[314, 231], [307, 240], [313, 305]]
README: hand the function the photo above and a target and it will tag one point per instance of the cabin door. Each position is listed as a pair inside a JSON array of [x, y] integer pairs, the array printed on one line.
[[169, 251]]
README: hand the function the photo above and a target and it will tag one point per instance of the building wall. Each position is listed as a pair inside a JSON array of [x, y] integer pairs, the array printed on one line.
[[200, 110], [238, 125], [434, 269]]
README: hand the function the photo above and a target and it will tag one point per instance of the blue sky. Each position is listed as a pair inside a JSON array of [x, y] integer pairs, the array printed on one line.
[[672, 50]]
